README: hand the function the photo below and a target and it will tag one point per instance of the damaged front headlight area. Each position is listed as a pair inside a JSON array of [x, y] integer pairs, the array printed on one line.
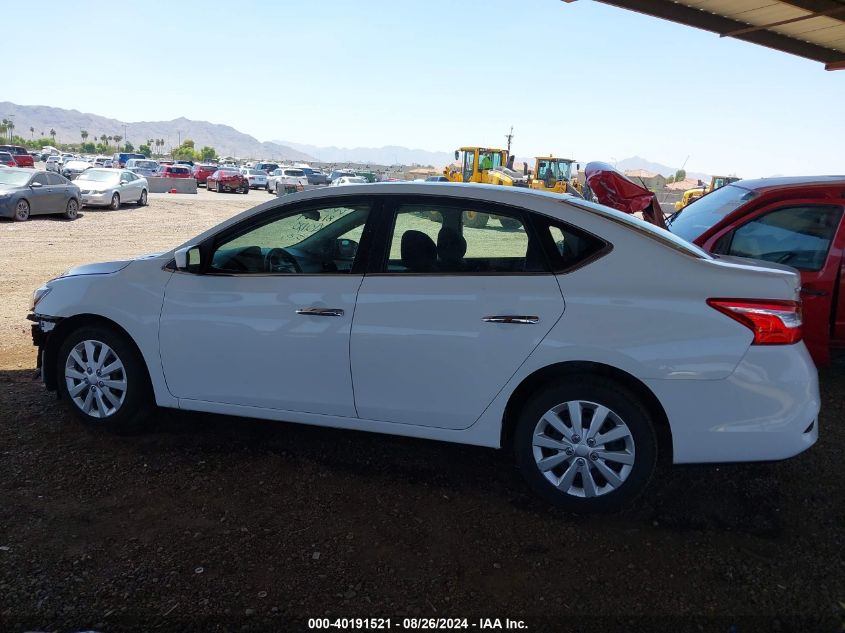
[[38, 295]]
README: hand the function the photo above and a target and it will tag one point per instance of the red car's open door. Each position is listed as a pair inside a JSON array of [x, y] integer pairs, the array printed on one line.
[[614, 189]]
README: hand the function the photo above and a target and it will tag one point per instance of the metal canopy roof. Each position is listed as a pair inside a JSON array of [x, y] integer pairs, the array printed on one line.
[[814, 29]]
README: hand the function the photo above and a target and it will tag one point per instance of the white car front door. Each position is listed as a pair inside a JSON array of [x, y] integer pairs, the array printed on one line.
[[267, 323], [442, 325]]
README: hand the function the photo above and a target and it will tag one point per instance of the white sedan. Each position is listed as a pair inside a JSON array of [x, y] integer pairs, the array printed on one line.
[[257, 178], [584, 340], [291, 176], [348, 180], [111, 187]]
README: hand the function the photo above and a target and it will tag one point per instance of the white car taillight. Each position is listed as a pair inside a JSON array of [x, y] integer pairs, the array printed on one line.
[[773, 322]]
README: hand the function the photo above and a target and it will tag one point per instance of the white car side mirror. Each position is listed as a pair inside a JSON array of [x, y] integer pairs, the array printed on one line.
[[181, 256]]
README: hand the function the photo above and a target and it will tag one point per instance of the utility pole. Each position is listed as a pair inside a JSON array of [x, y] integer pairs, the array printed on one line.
[[509, 136]]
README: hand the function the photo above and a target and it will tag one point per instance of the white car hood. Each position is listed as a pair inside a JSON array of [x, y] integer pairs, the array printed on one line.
[[104, 268]]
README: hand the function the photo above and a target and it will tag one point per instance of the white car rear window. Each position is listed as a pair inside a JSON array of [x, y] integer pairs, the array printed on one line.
[[641, 226]]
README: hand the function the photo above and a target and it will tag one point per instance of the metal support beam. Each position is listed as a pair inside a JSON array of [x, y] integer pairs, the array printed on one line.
[[764, 27], [696, 18]]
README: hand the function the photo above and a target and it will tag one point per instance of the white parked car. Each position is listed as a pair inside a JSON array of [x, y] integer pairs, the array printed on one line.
[[376, 308], [286, 176], [143, 167], [257, 178], [53, 163], [72, 168], [111, 187], [348, 180]]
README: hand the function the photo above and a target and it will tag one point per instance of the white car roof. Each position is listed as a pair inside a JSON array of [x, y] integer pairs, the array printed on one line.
[[552, 204]]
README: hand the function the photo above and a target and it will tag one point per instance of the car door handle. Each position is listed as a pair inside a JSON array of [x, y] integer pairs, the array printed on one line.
[[512, 318], [812, 292], [334, 312]]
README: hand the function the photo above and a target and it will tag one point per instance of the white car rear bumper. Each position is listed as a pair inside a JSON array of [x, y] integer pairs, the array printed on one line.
[[767, 409]]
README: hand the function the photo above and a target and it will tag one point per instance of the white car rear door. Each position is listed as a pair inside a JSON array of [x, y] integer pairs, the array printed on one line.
[[448, 314]]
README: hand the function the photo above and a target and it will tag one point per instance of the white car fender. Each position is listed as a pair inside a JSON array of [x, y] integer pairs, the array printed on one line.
[[132, 300]]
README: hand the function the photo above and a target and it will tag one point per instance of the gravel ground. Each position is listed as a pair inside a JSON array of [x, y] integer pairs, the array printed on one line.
[[206, 523]]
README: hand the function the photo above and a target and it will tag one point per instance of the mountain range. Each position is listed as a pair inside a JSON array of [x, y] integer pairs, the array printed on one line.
[[229, 141], [387, 155], [637, 162], [68, 123]]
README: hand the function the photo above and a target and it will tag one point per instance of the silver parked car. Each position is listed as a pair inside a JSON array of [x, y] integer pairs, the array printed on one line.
[[25, 192], [111, 187]]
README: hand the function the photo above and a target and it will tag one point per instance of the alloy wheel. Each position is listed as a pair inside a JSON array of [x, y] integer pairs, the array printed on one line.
[[95, 378], [583, 449], [22, 210], [72, 209]]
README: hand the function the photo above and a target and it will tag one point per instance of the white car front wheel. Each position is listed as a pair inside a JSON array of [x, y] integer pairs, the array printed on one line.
[[102, 378]]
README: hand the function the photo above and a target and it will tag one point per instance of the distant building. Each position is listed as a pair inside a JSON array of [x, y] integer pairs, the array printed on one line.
[[652, 180], [683, 185]]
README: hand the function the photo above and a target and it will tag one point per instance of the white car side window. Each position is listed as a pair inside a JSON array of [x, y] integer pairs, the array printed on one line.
[[322, 240]]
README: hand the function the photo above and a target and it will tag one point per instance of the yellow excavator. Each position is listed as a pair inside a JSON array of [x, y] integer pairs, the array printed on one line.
[[554, 175]]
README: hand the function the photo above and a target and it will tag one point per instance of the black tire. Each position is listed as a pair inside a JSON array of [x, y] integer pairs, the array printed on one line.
[[509, 224], [626, 407], [142, 201], [115, 202], [72, 209], [475, 219], [137, 401], [22, 211], [245, 189]]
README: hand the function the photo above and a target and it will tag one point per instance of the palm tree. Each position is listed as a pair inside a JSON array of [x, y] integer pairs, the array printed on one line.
[[103, 138], [110, 139], [84, 135], [117, 139], [31, 133], [53, 134], [4, 127]]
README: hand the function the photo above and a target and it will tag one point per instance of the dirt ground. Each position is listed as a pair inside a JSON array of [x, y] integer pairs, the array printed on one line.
[[205, 523]]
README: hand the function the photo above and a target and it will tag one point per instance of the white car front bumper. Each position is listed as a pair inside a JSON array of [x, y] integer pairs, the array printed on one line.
[[96, 198]]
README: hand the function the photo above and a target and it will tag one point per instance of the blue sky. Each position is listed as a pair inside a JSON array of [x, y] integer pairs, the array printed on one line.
[[579, 79]]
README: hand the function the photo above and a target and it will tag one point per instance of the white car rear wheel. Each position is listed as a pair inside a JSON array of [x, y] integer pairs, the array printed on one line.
[[586, 444]]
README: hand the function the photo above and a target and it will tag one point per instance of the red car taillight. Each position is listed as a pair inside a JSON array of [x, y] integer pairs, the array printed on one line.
[[773, 322]]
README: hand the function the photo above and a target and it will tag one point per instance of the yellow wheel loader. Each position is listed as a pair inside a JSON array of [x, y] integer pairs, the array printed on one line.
[[555, 175], [691, 195], [487, 166]]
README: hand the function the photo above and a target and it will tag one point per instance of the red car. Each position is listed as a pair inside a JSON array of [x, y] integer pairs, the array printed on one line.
[[202, 172], [791, 221], [173, 171], [7, 159], [227, 180], [22, 157]]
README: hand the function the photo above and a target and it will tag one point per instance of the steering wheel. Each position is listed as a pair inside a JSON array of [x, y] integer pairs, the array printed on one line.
[[278, 260]]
